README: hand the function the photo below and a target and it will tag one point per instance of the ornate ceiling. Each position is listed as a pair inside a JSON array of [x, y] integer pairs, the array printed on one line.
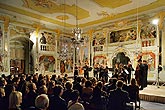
[[56, 13]]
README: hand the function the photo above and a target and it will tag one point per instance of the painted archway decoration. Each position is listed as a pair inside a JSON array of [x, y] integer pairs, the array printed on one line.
[[101, 59], [121, 49], [148, 56]]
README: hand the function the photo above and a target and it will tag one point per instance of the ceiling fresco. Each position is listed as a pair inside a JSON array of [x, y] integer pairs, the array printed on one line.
[[88, 12]]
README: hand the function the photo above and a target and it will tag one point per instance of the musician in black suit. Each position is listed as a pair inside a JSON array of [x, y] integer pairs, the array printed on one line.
[[96, 71], [76, 70], [129, 69], [86, 71]]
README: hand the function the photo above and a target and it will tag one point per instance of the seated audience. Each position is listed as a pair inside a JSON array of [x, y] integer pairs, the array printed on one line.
[[118, 98], [87, 91], [42, 102], [57, 101], [67, 92], [29, 99], [73, 103], [98, 100], [15, 100], [133, 90]]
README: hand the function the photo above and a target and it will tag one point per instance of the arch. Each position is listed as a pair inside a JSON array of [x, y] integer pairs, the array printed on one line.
[[121, 49], [22, 65]]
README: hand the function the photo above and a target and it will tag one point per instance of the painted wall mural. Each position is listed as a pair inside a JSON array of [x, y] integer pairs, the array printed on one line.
[[46, 63], [122, 35], [47, 41], [100, 59], [148, 30]]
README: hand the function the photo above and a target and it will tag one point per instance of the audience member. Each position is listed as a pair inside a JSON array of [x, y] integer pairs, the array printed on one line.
[[74, 103], [118, 98], [15, 100], [133, 90], [67, 92], [87, 91], [42, 102], [57, 101], [29, 99]]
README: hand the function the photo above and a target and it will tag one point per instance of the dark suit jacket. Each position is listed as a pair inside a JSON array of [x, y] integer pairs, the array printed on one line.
[[57, 102], [118, 99]]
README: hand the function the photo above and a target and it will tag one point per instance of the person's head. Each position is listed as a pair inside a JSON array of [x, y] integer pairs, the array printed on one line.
[[15, 99], [3, 81], [83, 80], [119, 84], [139, 61], [32, 86], [99, 84], [133, 81], [58, 90], [88, 83], [113, 80], [144, 62], [68, 85], [42, 102], [78, 79], [43, 89]]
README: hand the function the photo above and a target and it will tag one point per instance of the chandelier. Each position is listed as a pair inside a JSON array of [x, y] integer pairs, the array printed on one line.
[[77, 39]]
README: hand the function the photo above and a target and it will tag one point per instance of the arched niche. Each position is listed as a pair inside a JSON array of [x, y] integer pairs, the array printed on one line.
[[21, 59]]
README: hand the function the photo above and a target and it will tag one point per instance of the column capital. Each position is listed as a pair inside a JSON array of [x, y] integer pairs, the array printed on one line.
[[160, 16], [6, 20]]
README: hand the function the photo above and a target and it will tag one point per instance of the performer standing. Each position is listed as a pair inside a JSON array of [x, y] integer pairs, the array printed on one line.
[[139, 74], [102, 70], [129, 69], [86, 71], [96, 70], [105, 75], [145, 66], [76, 70]]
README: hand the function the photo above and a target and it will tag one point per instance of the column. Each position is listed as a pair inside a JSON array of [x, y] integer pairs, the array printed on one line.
[[6, 47]]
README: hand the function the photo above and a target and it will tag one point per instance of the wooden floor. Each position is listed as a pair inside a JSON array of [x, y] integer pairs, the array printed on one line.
[[153, 93]]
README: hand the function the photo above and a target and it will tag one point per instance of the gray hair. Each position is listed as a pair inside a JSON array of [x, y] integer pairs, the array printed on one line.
[[42, 101]]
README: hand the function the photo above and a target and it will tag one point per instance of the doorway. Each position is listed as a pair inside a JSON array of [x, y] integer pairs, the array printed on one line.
[[120, 58]]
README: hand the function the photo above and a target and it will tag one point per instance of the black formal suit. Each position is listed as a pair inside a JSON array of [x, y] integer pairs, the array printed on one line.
[[57, 102], [118, 99], [29, 100], [86, 71]]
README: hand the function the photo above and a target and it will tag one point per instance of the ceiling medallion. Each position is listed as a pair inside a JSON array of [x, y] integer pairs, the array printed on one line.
[[105, 14], [43, 3]]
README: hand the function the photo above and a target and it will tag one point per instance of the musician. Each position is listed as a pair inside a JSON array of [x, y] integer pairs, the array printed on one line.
[[139, 74], [76, 70], [86, 71], [96, 70], [145, 72], [102, 70], [129, 69], [105, 74]]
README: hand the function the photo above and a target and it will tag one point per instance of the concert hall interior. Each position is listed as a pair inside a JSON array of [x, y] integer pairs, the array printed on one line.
[[89, 40]]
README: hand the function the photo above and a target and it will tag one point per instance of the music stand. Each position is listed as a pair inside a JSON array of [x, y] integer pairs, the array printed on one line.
[[158, 78]]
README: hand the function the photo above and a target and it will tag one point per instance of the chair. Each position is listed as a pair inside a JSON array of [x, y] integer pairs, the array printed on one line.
[[136, 103], [134, 96]]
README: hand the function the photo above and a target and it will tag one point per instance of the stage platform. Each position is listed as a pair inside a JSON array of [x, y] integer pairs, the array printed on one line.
[[153, 94]]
